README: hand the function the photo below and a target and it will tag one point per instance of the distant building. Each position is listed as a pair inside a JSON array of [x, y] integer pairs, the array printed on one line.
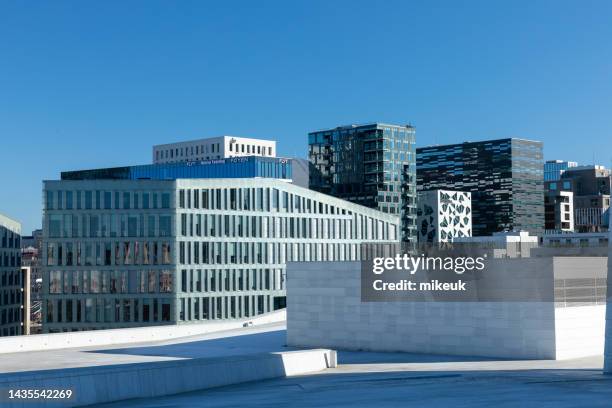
[[222, 147], [504, 244], [31, 265], [443, 215], [504, 177], [559, 211], [372, 165], [129, 247], [553, 169], [588, 239], [590, 188], [11, 280]]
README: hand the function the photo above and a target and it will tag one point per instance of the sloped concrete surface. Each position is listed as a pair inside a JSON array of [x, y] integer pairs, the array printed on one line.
[[413, 380]]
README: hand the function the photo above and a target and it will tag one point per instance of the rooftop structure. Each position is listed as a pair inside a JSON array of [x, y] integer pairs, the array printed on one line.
[[221, 147]]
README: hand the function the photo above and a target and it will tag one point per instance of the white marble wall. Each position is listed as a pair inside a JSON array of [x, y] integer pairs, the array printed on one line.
[[325, 310]]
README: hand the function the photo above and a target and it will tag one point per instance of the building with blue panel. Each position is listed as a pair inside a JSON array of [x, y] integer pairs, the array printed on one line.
[[238, 167], [553, 169]]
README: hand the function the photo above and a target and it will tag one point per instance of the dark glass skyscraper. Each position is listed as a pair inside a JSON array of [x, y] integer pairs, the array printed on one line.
[[372, 165], [504, 176]]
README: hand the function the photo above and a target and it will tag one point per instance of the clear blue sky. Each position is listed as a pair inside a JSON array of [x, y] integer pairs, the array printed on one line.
[[90, 84]]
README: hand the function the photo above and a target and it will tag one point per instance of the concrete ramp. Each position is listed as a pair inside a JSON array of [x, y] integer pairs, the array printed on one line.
[[96, 385]]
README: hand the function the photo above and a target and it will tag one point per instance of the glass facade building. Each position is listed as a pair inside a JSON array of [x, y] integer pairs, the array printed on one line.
[[126, 253], [553, 169], [372, 165], [237, 167], [505, 177], [11, 279]]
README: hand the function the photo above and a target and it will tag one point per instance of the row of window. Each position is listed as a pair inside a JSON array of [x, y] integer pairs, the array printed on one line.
[[109, 253], [105, 200], [151, 310], [250, 149], [244, 226], [107, 310], [231, 280], [254, 199], [248, 253], [225, 307], [9, 239], [11, 297], [10, 278], [10, 259], [108, 225], [187, 151], [12, 315], [105, 281]]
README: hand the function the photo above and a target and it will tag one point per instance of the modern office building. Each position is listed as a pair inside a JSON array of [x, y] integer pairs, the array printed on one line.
[[504, 176], [213, 148], [372, 165], [590, 188], [553, 169], [11, 281], [443, 215], [136, 252], [558, 211]]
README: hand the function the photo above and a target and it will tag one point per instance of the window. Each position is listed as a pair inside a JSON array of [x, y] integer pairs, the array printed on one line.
[[88, 200], [69, 200], [126, 200], [165, 225], [107, 200], [165, 200], [49, 200]]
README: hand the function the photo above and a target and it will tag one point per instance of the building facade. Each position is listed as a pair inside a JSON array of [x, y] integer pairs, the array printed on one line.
[[504, 176], [590, 187], [443, 215], [213, 148], [553, 169], [559, 211], [31, 266], [124, 253], [11, 280], [372, 165]]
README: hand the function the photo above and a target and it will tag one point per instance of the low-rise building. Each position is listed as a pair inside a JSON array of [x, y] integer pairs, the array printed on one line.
[[136, 252]]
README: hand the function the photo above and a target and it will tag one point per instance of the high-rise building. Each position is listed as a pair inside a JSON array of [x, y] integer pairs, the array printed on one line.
[[11, 279], [121, 251], [372, 165], [443, 215], [213, 148], [553, 169], [504, 176]]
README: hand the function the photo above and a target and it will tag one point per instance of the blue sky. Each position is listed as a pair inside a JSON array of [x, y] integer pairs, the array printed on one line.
[[90, 84]]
